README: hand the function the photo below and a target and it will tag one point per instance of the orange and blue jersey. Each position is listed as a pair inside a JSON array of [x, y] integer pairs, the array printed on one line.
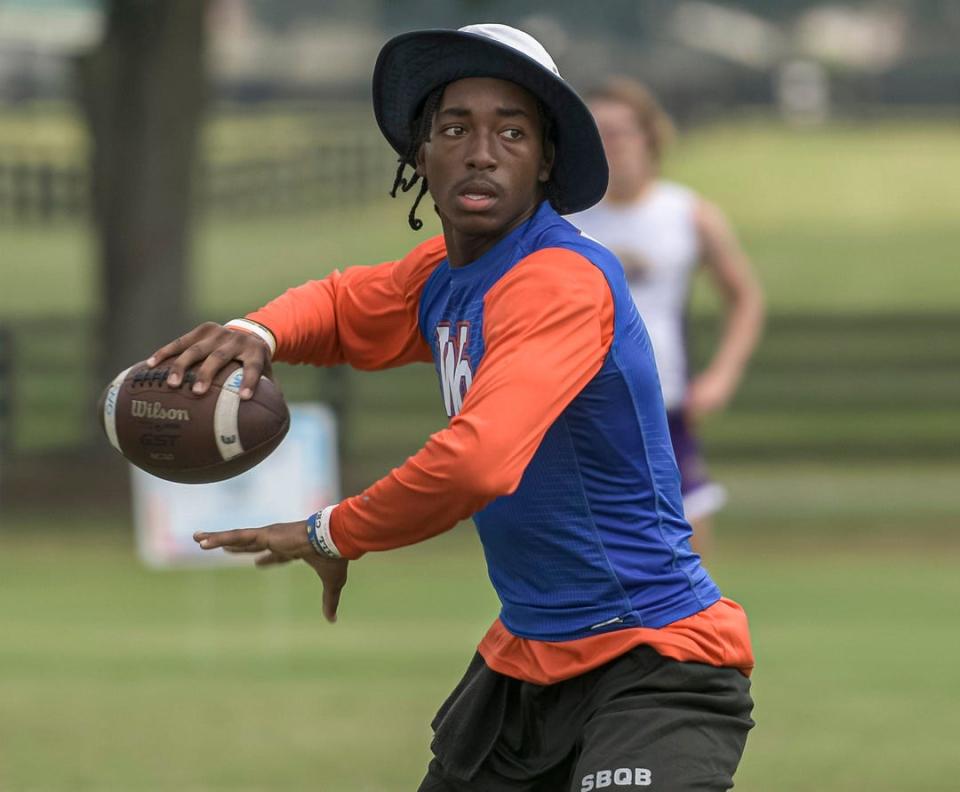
[[557, 445]]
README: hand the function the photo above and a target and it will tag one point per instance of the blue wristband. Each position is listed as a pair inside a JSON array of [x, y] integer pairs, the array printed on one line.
[[312, 521]]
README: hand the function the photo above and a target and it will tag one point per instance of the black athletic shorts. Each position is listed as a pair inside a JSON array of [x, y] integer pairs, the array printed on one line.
[[642, 721]]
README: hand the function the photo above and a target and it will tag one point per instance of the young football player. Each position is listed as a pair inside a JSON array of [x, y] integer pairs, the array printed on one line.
[[615, 660]]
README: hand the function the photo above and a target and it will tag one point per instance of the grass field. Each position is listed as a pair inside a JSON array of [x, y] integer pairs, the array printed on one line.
[[841, 538], [114, 677]]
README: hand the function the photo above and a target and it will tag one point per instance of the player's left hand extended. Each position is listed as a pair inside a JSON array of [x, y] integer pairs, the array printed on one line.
[[281, 543]]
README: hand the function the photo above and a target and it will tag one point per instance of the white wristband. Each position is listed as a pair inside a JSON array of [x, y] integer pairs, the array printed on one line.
[[261, 332], [318, 532]]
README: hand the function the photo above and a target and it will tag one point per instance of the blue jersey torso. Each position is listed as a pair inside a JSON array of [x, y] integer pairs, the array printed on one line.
[[594, 537]]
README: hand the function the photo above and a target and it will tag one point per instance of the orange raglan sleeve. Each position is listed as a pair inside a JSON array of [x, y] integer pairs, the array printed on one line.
[[548, 325], [366, 317]]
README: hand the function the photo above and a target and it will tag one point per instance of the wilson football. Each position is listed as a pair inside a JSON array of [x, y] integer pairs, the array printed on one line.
[[180, 436]]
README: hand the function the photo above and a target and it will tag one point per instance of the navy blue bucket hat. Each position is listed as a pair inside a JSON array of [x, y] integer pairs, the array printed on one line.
[[411, 65]]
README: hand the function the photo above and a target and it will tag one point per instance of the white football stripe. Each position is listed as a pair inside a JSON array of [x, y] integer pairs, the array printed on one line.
[[225, 424], [110, 409]]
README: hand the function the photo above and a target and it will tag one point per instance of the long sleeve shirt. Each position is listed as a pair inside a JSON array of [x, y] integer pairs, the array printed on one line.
[[556, 446]]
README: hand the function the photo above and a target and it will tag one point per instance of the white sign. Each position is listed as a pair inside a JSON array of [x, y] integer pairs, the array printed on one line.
[[300, 477]]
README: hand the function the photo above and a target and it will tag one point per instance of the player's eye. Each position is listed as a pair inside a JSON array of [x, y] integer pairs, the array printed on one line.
[[454, 130], [512, 134]]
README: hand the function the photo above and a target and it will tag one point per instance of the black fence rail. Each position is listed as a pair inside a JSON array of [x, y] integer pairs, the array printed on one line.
[[40, 187], [335, 171], [821, 388], [6, 389]]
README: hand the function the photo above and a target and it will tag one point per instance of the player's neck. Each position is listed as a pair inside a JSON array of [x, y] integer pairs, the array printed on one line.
[[464, 247]]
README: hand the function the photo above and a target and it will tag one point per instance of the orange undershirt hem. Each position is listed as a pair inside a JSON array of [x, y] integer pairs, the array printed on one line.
[[717, 636]]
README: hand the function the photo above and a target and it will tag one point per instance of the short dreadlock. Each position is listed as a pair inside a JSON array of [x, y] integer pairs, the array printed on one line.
[[420, 134]]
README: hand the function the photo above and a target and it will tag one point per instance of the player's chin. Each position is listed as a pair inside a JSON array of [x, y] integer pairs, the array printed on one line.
[[480, 227], [478, 223]]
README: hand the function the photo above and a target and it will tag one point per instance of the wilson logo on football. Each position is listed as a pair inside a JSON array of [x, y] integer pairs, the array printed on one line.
[[455, 374], [157, 412]]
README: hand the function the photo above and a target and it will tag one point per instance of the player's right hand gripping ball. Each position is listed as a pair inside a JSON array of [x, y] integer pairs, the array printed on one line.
[[179, 436]]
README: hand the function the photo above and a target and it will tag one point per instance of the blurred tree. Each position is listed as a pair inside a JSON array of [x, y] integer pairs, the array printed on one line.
[[143, 92]]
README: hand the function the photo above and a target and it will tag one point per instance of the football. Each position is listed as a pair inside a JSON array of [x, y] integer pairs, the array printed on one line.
[[179, 436]]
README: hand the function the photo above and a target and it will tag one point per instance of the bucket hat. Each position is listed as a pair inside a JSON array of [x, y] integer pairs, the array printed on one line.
[[412, 64]]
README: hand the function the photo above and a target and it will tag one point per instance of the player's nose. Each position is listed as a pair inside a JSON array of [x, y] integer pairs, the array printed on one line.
[[480, 153]]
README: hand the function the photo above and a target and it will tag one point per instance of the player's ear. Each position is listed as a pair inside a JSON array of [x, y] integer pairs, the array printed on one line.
[[546, 162], [421, 160]]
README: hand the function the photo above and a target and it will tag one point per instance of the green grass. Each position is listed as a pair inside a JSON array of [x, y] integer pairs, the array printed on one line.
[[57, 130], [51, 129], [855, 676], [866, 176], [118, 678], [846, 218], [113, 677], [47, 272]]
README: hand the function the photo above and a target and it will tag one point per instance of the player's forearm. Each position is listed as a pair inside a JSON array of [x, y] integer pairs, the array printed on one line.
[[449, 480], [303, 323], [366, 316], [360, 317], [742, 330], [738, 285]]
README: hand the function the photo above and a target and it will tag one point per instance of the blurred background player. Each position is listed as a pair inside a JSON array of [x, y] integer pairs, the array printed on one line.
[[662, 232]]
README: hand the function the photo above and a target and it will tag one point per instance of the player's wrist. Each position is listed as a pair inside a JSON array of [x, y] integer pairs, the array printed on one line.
[[318, 533], [250, 327]]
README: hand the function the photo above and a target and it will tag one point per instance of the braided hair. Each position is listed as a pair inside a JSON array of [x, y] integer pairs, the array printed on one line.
[[421, 127]]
